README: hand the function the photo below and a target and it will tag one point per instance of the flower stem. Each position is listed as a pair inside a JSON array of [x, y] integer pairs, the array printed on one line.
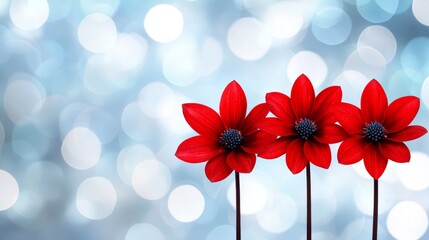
[[375, 212], [237, 204], [308, 202]]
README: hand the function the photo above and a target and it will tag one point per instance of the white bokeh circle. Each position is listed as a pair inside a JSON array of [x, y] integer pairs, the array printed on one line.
[[407, 220], [309, 63], [97, 33], [29, 14], [186, 203], [164, 23], [151, 179], [9, 190]]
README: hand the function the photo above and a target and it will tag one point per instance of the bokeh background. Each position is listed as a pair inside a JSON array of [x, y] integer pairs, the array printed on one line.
[[91, 115]]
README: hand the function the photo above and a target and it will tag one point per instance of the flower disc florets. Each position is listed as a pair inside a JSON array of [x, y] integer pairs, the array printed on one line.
[[231, 139], [305, 128], [374, 131]]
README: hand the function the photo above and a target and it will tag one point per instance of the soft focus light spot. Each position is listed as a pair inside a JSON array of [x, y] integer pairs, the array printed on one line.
[[186, 203], [377, 11], [331, 26], [407, 220], [153, 96], [9, 190], [248, 39], [22, 99], [211, 56], [147, 230], [81, 148], [284, 19], [413, 175], [425, 92], [420, 11], [29, 14], [181, 64], [415, 58], [128, 159], [96, 198], [135, 123], [380, 38], [128, 51], [224, 232], [352, 84], [151, 180], [28, 208], [163, 23], [252, 190], [107, 7], [97, 33], [299, 64], [367, 61], [279, 215], [101, 123]]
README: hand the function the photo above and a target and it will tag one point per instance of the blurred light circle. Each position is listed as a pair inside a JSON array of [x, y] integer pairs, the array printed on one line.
[[135, 123], [129, 51], [96, 198], [97, 33], [9, 190], [248, 39], [413, 175], [425, 92], [151, 179], [415, 58], [81, 148], [284, 19], [380, 38], [28, 208], [299, 64], [367, 61], [153, 97], [224, 232], [149, 231], [377, 11], [256, 7], [211, 56], [180, 65], [29, 14], [331, 26], [186, 203], [22, 99], [352, 84], [420, 11], [407, 220], [279, 215], [128, 159], [100, 121], [253, 191], [107, 7], [163, 23]]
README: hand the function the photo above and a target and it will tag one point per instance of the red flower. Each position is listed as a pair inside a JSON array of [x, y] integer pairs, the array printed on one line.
[[377, 130], [305, 125], [229, 141]]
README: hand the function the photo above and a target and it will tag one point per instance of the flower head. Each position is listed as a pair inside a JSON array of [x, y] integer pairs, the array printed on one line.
[[305, 125], [377, 130], [228, 141]]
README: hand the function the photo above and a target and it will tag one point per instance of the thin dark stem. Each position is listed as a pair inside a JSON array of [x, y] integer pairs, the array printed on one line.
[[375, 213], [237, 204], [308, 202]]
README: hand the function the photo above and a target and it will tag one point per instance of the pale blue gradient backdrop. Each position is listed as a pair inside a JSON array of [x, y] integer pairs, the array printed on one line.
[[91, 115]]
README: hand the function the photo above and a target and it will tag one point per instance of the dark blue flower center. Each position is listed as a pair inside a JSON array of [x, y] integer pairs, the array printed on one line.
[[231, 139], [374, 131], [305, 128]]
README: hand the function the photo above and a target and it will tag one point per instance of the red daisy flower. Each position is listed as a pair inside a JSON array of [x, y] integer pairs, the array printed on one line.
[[305, 125], [377, 130], [229, 141]]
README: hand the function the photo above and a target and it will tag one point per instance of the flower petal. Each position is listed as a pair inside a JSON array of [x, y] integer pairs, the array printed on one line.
[[395, 151], [330, 133], [400, 113], [407, 134], [302, 97], [375, 163], [198, 149], [373, 102], [280, 106], [203, 119], [324, 102], [295, 158], [318, 153], [276, 148], [217, 169], [241, 161], [257, 142], [351, 150], [233, 106], [277, 127], [256, 115], [350, 118]]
